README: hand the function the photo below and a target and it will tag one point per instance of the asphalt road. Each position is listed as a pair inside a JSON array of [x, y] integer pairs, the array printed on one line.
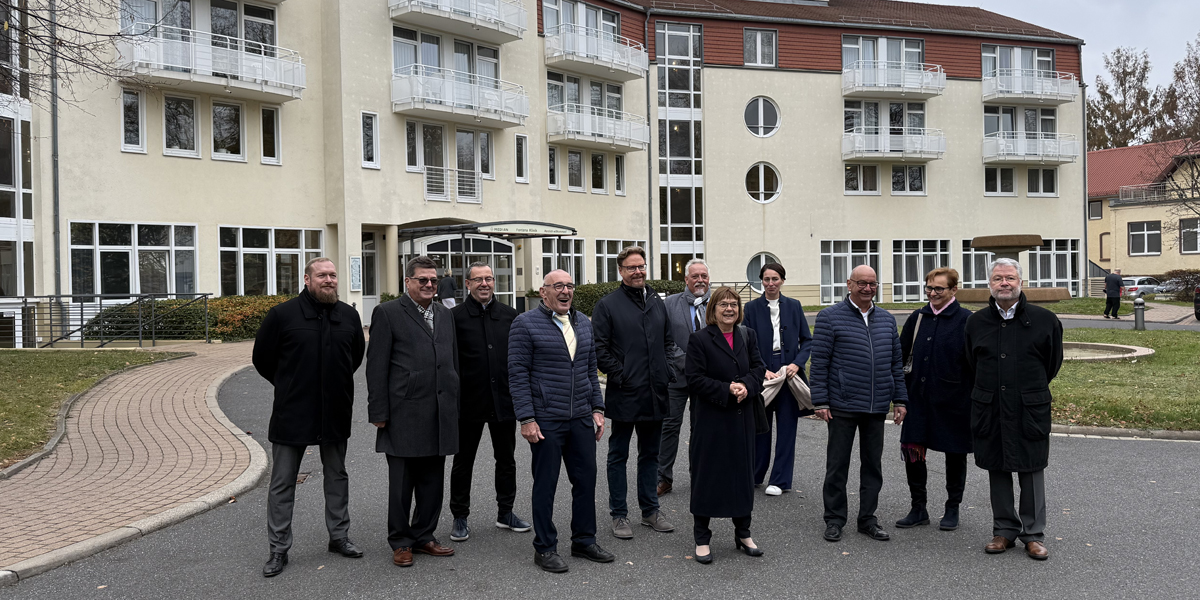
[[1121, 519]]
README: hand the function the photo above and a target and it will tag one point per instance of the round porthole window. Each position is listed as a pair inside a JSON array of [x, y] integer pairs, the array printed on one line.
[[762, 117], [755, 265], [762, 183]]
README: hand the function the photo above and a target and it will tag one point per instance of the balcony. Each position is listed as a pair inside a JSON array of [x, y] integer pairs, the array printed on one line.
[[899, 144], [491, 21], [880, 79], [442, 94], [1046, 87], [596, 53], [199, 61], [597, 128], [1030, 148], [453, 185]]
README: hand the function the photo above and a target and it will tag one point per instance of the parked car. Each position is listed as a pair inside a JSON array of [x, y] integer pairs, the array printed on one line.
[[1171, 286], [1196, 303], [1136, 286]]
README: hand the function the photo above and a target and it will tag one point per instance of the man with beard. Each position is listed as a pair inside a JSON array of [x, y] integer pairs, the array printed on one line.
[[685, 311], [309, 348]]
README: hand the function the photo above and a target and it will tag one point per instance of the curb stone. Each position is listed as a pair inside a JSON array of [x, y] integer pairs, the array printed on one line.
[[1117, 432]]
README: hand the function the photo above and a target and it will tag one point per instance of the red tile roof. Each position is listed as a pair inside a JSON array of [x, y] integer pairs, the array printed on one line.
[[1108, 170]]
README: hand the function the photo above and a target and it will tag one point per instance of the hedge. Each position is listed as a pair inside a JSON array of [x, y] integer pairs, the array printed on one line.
[[230, 318], [587, 295], [1190, 279]]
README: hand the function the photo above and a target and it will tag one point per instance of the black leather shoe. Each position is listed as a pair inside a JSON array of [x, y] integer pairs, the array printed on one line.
[[705, 559], [275, 564], [875, 532], [345, 547], [917, 516], [592, 552], [833, 533], [550, 562], [740, 545]]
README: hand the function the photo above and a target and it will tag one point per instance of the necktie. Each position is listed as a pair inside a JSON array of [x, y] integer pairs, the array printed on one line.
[[568, 333], [698, 322]]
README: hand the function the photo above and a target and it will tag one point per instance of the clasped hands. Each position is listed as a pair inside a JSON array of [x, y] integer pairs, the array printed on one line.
[[739, 391]]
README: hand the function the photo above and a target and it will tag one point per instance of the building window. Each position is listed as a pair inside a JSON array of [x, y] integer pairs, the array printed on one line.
[[1005, 61], [755, 266], [552, 163], [522, 159], [606, 258], [908, 180], [1043, 182], [1055, 264], [133, 120], [762, 183], [911, 261], [862, 180], [598, 175], [425, 146], [679, 147], [1145, 238], [681, 218], [485, 155], [838, 259], [999, 181], [565, 254], [181, 129], [896, 53], [410, 144], [762, 117], [679, 53], [550, 16], [1096, 209], [619, 172], [272, 144], [574, 171], [1189, 236], [758, 47], [975, 267], [370, 141], [227, 127], [125, 258], [258, 261], [1106, 246]]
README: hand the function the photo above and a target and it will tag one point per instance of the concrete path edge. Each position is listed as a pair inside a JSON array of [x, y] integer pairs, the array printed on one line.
[[248, 480]]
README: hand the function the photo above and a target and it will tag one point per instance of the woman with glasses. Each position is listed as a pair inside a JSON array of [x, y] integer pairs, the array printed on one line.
[[939, 396], [724, 376]]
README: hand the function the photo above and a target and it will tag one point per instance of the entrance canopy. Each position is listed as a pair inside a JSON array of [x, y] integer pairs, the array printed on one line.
[[511, 230]]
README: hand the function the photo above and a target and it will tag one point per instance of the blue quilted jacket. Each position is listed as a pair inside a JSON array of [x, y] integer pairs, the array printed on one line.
[[855, 369], [546, 384]]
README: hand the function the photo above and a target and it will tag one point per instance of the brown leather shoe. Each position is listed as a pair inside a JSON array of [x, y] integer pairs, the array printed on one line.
[[664, 488], [402, 557], [433, 548], [1037, 550], [998, 545]]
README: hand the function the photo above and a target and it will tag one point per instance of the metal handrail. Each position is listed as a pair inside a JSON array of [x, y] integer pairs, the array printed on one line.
[[596, 33], [167, 47], [1032, 144], [589, 42], [884, 130], [892, 65], [598, 111], [103, 319], [881, 139], [459, 185], [1031, 135], [498, 11], [415, 70], [1038, 73]]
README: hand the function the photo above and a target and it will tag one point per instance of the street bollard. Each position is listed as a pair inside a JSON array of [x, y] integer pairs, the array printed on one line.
[[1139, 315]]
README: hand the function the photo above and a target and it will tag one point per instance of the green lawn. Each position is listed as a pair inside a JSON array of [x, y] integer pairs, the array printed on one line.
[[37, 382]]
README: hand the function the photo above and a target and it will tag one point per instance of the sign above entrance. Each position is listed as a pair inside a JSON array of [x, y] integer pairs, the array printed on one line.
[[524, 229]]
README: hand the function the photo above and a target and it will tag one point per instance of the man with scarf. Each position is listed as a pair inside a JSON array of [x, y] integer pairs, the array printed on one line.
[[685, 311]]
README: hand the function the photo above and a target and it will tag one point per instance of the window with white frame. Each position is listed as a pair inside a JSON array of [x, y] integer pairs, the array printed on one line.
[[908, 180], [563, 253], [681, 215], [485, 155], [181, 128], [550, 16], [762, 183], [679, 53], [999, 181], [412, 51], [862, 180], [606, 258], [522, 156], [754, 267], [1189, 236], [679, 147], [1055, 264], [838, 259], [1095, 209], [860, 117], [132, 258], [599, 177], [574, 171], [228, 132], [762, 117], [758, 47], [272, 143], [425, 146], [619, 172], [552, 165], [474, 152], [909, 53], [1145, 238], [911, 261], [258, 261], [370, 140], [1043, 182], [1036, 61], [974, 267], [133, 121]]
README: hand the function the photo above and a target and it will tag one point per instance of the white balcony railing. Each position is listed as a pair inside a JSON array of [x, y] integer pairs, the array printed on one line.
[[576, 41], [1030, 147], [453, 185], [1030, 83], [907, 142], [504, 14], [419, 85], [190, 52], [581, 121], [1178, 190], [891, 76]]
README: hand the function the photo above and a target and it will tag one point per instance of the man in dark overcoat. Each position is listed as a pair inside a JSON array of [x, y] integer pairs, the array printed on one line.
[[1114, 286], [412, 398], [1014, 350], [634, 348], [309, 348], [482, 324]]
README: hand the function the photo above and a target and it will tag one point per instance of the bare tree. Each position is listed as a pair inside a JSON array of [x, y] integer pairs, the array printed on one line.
[[1173, 170], [1180, 114], [1123, 111]]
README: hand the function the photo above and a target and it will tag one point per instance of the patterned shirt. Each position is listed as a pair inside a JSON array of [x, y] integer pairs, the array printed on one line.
[[425, 312]]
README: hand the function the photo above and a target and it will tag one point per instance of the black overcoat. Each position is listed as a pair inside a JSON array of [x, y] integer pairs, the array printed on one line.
[[1012, 363], [412, 380], [939, 386], [633, 349], [309, 354], [483, 359], [721, 453]]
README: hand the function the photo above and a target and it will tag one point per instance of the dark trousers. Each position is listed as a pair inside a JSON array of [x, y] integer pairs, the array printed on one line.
[[786, 414], [421, 478], [1112, 304], [741, 528], [842, 428], [956, 479], [649, 435], [504, 444], [672, 425], [1029, 523], [281, 498], [573, 444]]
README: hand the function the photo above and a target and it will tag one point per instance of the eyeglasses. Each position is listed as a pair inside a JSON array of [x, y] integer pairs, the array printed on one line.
[[1005, 278], [723, 305], [862, 285], [929, 289], [558, 287], [482, 279], [634, 268], [424, 281]]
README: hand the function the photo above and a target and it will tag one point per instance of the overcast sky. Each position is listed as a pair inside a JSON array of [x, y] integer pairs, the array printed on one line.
[[1164, 27]]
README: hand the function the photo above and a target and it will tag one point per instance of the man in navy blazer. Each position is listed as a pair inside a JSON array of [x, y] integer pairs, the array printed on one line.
[[785, 344]]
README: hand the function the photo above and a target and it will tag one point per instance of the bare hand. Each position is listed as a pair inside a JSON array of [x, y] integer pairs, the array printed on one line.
[[380, 424], [738, 390], [823, 414], [599, 420], [792, 370], [901, 411], [770, 374], [531, 432]]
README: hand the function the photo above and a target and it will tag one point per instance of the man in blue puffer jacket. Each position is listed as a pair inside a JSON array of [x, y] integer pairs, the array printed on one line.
[[857, 373], [556, 397]]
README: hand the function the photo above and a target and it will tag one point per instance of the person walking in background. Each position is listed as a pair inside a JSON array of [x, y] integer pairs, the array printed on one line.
[[785, 344], [939, 397], [686, 313], [724, 375], [446, 289], [309, 348], [1114, 287]]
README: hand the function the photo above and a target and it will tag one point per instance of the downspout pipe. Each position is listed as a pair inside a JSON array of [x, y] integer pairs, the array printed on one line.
[[1085, 291], [651, 153], [54, 146]]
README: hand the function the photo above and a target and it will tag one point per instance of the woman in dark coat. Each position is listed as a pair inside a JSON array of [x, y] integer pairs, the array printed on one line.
[[939, 396], [724, 375]]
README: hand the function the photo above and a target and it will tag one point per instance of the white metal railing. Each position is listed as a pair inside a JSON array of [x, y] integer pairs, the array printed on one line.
[[1030, 82], [455, 185], [905, 140], [434, 85], [584, 120], [893, 75], [204, 53], [588, 42], [1145, 192], [1016, 144], [503, 12]]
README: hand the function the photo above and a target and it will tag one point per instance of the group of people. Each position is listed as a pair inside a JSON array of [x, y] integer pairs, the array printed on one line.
[[958, 382]]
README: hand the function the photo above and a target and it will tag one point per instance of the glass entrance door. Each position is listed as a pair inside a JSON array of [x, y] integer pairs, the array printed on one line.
[[370, 276], [448, 251]]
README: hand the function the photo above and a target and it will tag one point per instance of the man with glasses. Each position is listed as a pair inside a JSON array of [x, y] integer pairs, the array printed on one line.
[[482, 325], [635, 349], [685, 311], [857, 374], [1014, 351], [412, 398]]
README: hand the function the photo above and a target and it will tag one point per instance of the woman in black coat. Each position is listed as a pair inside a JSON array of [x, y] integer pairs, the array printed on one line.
[[724, 375], [939, 396]]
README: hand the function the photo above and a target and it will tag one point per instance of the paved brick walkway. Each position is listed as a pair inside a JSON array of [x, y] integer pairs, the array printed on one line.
[[139, 443]]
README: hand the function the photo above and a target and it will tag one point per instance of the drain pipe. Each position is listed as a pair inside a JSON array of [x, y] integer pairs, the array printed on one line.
[[651, 152], [54, 145], [1085, 289]]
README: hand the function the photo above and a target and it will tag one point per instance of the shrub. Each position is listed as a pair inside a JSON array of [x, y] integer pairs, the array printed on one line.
[[386, 297], [230, 318], [587, 295], [1190, 279]]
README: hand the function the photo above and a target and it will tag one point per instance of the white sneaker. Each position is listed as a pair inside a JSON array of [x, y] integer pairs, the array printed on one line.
[[773, 490]]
